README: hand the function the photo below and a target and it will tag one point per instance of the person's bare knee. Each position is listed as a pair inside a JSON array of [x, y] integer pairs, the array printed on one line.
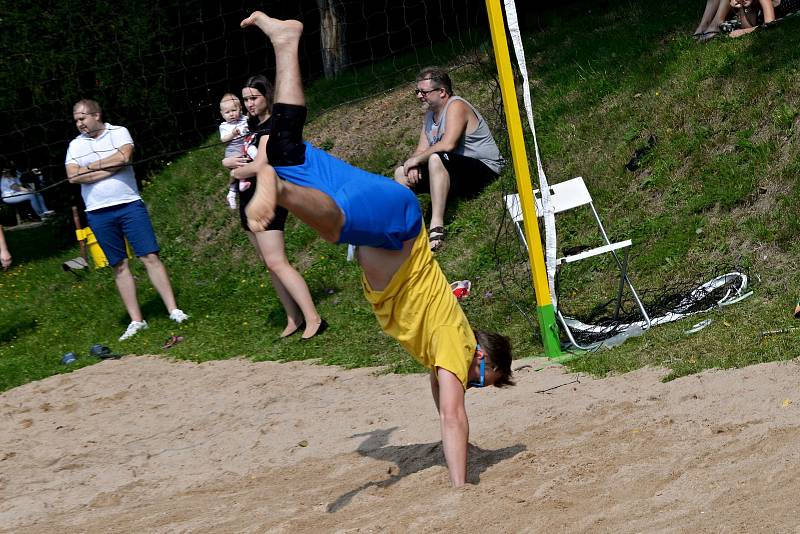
[[150, 260], [276, 261], [400, 176], [313, 207], [436, 165], [121, 268]]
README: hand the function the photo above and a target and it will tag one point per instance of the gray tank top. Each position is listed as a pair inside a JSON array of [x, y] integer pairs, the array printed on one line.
[[478, 145]]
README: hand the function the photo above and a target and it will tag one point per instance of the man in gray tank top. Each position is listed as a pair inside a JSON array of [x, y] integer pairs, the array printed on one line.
[[456, 152]]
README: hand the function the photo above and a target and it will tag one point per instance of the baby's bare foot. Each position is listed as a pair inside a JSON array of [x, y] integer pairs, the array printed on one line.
[[278, 31]]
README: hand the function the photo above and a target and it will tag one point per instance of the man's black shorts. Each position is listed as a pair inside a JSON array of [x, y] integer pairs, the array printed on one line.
[[285, 147], [467, 175]]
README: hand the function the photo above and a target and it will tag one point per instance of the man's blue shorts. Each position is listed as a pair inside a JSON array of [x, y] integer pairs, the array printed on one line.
[[113, 224]]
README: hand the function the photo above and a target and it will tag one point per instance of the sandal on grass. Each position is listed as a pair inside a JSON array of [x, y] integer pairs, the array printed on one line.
[[797, 310], [171, 342], [707, 36], [436, 237]]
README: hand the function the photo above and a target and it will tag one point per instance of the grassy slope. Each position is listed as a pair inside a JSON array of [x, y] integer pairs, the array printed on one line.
[[720, 188]]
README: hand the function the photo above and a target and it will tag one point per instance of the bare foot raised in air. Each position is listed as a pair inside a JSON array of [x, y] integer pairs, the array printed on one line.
[[278, 31], [261, 209]]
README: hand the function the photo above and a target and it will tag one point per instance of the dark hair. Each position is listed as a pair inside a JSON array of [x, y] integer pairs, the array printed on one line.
[[438, 77], [260, 83], [498, 351]]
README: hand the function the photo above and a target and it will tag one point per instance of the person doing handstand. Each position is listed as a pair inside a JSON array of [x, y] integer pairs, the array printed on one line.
[[406, 287]]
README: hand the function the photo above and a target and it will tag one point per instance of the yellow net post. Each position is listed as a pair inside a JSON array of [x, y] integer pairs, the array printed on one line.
[[544, 304]]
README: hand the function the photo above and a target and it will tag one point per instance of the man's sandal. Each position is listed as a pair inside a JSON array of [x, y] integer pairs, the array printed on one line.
[[797, 310], [171, 342], [436, 237]]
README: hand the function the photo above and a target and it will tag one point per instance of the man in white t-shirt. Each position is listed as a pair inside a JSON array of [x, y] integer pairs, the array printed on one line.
[[100, 160]]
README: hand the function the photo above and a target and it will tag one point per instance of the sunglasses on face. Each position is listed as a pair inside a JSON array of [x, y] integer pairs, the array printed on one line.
[[422, 92], [482, 382]]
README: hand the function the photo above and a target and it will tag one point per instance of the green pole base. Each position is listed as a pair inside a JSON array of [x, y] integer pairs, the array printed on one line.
[[549, 329]]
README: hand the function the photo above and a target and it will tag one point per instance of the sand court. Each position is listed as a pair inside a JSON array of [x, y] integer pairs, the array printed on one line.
[[153, 445]]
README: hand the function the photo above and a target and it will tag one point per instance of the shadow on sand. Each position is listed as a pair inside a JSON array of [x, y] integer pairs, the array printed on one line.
[[412, 459]]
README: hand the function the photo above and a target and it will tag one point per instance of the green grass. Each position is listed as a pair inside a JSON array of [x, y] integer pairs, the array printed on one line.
[[719, 189]]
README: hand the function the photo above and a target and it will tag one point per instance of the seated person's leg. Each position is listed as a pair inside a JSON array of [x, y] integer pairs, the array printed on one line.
[[468, 176], [24, 202], [708, 16], [37, 201], [440, 187]]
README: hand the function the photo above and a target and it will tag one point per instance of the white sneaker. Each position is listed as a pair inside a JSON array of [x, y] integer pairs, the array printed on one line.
[[133, 328], [178, 316]]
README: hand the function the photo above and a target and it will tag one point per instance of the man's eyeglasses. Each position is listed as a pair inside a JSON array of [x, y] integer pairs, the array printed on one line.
[[425, 93]]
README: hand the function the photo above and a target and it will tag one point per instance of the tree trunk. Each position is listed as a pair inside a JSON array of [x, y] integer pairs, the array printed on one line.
[[331, 36]]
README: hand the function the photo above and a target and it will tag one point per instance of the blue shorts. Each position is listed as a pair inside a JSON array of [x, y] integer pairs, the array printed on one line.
[[113, 224], [378, 211]]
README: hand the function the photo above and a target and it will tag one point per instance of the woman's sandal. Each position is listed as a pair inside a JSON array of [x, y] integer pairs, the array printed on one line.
[[436, 237]]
